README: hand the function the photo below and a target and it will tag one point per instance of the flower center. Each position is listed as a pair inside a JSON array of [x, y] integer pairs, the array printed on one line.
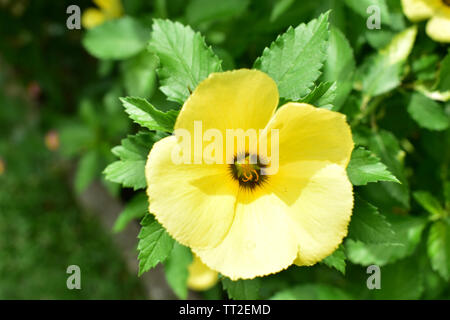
[[247, 172], [446, 2]]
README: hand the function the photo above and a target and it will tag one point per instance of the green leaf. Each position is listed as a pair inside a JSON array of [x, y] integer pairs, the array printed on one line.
[[400, 47], [130, 169], [87, 171], [129, 173], [185, 58], [136, 208], [146, 115], [279, 8], [438, 247], [360, 7], [116, 39], [155, 244], [429, 203], [365, 167], [444, 74], [201, 11], [242, 289], [139, 74], [176, 269], [408, 231], [385, 145], [379, 38], [424, 67], [295, 58], [322, 96], [378, 76], [75, 138], [428, 113], [368, 225], [380, 73], [336, 260], [312, 292], [339, 66]]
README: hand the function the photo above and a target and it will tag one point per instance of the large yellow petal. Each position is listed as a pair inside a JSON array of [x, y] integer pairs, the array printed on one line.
[[261, 240], [111, 8], [200, 276], [195, 203], [239, 99], [307, 133], [92, 17], [417, 10], [318, 198], [438, 27]]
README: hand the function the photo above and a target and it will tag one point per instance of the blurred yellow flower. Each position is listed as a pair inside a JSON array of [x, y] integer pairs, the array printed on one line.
[[237, 221], [200, 276], [107, 10], [438, 13]]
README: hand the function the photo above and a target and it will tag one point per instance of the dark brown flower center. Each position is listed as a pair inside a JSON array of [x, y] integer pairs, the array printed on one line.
[[446, 2], [247, 171]]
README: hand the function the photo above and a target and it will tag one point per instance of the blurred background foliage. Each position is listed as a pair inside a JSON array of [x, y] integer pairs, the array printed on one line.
[[60, 116]]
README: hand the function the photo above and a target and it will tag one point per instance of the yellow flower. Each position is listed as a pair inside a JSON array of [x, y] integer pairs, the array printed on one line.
[[200, 276], [108, 9], [438, 11], [238, 222]]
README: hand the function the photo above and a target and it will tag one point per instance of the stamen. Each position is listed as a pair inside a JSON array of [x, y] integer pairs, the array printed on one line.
[[246, 173], [256, 174]]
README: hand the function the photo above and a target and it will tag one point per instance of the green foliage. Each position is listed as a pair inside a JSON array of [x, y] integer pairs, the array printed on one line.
[[295, 58], [44, 229], [204, 11], [438, 246], [185, 58], [381, 72], [146, 115], [87, 171], [116, 39], [155, 244], [322, 96], [428, 113], [176, 269], [130, 169], [139, 74], [337, 260], [400, 281], [135, 209], [339, 66], [368, 225], [444, 74], [365, 167], [312, 292], [242, 289], [408, 232], [386, 146], [429, 203]]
